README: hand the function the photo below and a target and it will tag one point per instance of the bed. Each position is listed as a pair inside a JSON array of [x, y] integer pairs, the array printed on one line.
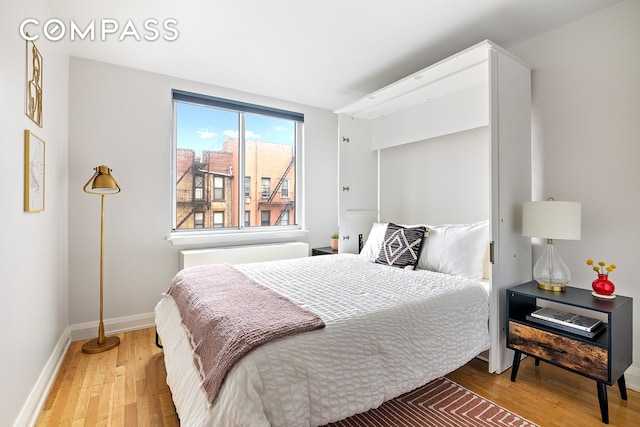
[[386, 331]]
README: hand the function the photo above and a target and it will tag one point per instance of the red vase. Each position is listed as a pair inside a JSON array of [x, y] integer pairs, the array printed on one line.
[[602, 285]]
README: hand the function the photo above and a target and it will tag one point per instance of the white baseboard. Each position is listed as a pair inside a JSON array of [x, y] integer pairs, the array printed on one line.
[[35, 402], [632, 377], [32, 407], [83, 331]]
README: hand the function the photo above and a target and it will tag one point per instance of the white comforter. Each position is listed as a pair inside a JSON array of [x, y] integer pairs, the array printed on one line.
[[387, 331]]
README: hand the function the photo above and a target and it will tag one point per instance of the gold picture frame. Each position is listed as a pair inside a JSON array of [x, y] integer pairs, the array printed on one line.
[[34, 163], [33, 90]]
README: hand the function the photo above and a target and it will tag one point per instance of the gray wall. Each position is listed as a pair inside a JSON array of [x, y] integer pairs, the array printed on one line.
[[586, 142], [33, 247], [121, 117]]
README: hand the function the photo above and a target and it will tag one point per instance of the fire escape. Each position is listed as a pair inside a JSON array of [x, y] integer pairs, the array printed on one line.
[[284, 206], [197, 197]]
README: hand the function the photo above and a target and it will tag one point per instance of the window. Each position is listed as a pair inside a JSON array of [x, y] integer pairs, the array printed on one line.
[[218, 188], [247, 186], [198, 220], [265, 218], [198, 186], [218, 219], [265, 187], [284, 218], [216, 141]]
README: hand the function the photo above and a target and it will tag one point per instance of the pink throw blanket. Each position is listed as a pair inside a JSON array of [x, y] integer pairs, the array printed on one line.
[[227, 315]]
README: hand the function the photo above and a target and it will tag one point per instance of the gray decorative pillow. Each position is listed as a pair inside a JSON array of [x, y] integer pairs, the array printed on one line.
[[401, 247]]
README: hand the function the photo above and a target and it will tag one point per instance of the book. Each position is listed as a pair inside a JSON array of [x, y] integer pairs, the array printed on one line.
[[570, 329], [564, 318]]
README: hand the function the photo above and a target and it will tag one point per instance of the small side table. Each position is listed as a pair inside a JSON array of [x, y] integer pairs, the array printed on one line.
[[323, 251], [603, 358]]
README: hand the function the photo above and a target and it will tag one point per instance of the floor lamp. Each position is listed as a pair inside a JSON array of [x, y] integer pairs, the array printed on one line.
[[104, 184]]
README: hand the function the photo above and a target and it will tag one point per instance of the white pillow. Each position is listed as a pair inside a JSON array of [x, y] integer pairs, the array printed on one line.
[[456, 249], [371, 248]]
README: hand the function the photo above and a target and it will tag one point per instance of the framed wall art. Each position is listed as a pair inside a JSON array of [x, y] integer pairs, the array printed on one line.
[[33, 101], [33, 172]]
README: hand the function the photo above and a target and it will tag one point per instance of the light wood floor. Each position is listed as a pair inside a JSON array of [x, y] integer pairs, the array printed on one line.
[[126, 387], [120, 387]]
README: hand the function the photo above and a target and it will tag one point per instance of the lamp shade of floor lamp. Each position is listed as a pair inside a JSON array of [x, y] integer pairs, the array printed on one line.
[[103, 184], [551, 220]]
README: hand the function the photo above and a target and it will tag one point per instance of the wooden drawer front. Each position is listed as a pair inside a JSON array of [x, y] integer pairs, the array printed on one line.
[[573, 354]]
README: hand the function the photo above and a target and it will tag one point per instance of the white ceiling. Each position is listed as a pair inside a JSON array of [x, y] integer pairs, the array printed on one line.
[[325, 53]]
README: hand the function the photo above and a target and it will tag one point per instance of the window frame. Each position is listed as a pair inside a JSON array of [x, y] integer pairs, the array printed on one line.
[[265, 194], [197, 214], [239, 234], [284, 187], [221, 198]]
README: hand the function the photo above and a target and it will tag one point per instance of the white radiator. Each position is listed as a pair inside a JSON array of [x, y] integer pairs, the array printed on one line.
[[243, 254]]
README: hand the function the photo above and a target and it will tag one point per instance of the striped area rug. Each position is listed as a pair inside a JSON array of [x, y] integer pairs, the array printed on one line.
[[439, 403]]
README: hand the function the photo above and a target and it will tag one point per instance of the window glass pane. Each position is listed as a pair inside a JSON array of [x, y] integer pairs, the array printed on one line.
[[218, 219], [247, 186], [218, 188], [265, 217], [206, 144], [198, 220], [265, 187], [271, 155]]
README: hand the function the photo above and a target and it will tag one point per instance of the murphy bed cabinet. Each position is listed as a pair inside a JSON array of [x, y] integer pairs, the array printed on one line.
[[482, 88]]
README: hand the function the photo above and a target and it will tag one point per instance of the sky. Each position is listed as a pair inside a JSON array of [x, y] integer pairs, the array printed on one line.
[[203, 128]]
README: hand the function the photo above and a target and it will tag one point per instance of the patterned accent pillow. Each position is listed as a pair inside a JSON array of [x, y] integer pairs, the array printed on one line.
[[401, 247]]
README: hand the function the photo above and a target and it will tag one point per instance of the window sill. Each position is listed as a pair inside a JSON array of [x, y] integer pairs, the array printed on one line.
[[215, 239]]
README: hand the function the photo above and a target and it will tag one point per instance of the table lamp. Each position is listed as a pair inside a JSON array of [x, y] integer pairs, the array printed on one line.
[[551, 220]]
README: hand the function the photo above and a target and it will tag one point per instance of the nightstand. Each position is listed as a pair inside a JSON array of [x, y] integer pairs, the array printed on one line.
[[323, 251], [604, 358]]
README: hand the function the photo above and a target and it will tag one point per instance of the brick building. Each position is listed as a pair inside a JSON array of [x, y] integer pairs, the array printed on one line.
[[207, 187]]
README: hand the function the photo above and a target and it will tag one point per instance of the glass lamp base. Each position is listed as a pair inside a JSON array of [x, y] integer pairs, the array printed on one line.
[[551, 273]]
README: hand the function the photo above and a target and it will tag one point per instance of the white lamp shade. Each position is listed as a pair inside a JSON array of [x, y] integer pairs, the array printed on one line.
[[552, 220]]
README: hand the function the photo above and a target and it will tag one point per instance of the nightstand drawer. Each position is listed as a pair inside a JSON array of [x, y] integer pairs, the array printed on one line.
[[589, 359]]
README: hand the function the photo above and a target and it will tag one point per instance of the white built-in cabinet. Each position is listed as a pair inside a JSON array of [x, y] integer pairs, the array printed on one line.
[[484, 90]]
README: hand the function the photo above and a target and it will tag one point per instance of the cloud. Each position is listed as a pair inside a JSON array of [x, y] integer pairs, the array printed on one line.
[[248, 134], [205, 133]]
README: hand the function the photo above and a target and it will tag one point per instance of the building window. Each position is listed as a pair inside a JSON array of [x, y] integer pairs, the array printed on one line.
[[216, 141], [247, 218], [284, 189], [198, 186], [218, 219], [265, 218], [198, 220], [247, 186], [265, 186], [218, 188], [284, 217]]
